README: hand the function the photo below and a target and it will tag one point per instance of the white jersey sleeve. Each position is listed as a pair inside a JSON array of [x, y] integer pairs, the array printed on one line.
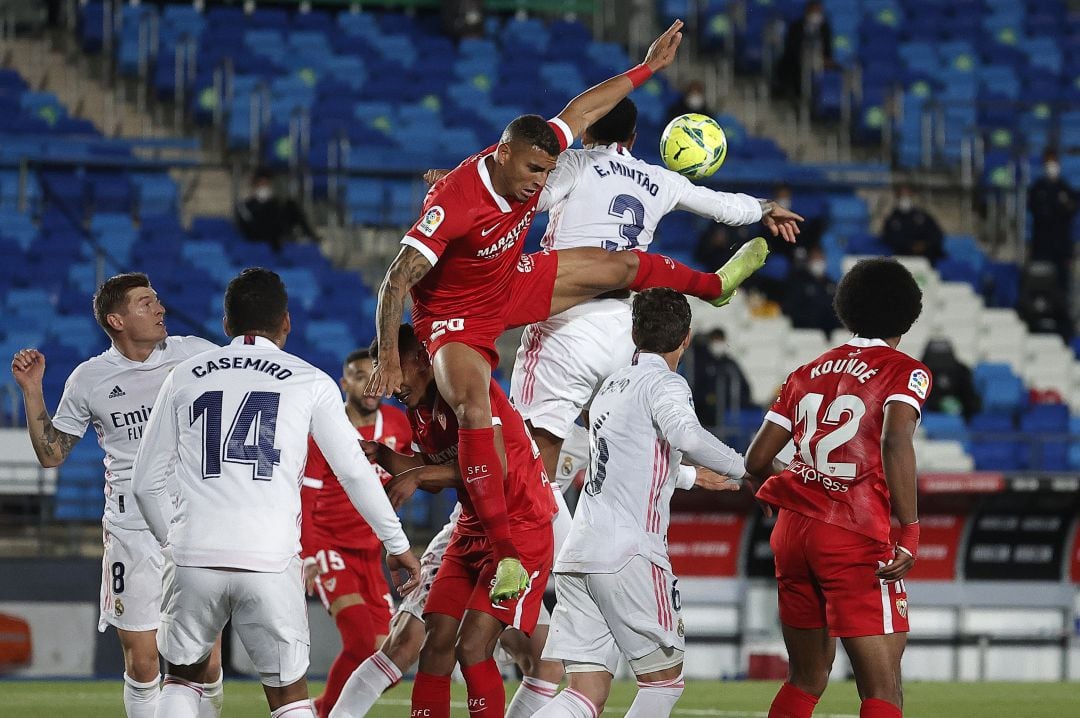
[[73, 413], [673, 413], [562, 180], [336, 438], [158, 452], [735, 210]]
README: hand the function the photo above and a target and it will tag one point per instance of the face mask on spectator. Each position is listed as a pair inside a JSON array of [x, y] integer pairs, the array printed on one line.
[[813, 20], [816, 267], [718, 348], [905, 204], [1053, 170], [695, 101], [264, 193]]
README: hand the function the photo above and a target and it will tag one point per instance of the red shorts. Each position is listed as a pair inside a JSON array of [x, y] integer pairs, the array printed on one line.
[[825, 577], [529, 300], [468, 570], [348, 571]]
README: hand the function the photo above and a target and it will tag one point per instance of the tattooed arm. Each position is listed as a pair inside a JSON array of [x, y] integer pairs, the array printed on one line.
[[408, 268], [51, 445]]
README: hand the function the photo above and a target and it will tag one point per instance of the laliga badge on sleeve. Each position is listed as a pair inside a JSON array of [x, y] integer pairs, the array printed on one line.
[[431, 221], [919, 383]]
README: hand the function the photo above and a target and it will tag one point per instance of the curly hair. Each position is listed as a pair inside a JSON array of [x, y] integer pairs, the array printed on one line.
[[878, 299]]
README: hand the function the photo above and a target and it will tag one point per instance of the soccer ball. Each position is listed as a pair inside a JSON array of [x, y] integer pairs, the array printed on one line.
[[693, 145]]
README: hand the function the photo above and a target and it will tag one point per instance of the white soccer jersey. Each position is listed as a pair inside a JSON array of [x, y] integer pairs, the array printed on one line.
[[115, 394], [642, 422], [234, 424], [605, 197]]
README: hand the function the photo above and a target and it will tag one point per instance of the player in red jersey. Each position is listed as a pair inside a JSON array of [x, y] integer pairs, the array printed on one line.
[[462, 623], [462, 263], [852, 413], [342, 555]]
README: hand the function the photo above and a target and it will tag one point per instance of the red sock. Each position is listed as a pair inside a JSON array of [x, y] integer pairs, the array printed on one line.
[[431, 696], [790, 702], [877, 708], [357, 643], [487, 695], [482, 472], [656, 270]]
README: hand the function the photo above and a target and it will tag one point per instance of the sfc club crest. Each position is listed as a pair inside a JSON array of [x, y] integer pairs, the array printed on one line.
[[330, 584], [901, 607]]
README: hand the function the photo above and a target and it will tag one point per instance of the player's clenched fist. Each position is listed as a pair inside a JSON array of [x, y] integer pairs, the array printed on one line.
[[511, 580], [28, 367]]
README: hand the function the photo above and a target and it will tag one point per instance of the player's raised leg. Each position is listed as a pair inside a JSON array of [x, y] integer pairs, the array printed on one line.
[[875, 661], [588, 271], [810, 658]]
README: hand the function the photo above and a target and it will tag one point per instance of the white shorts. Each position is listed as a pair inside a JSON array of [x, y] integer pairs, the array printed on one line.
[[268, 611], [602, 616], [562, 361], [413, 604], [131, 576]]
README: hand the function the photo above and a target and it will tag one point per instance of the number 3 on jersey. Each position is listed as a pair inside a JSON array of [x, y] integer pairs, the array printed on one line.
[[620, 205], [845, 412], [256, 418]]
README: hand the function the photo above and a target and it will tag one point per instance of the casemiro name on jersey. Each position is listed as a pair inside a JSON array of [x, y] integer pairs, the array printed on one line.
[[621, 170], [240, 362]]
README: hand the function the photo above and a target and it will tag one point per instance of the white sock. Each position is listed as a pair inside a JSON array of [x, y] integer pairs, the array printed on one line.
[[179, 698], [568, 704], [140, 699], [656, 700], [532, 695], [298, 709], [365, 685], [212, 698]]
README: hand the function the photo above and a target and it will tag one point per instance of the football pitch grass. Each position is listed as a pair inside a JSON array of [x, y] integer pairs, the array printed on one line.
[[742, 699]]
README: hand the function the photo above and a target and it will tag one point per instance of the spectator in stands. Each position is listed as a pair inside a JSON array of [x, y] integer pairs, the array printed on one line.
[[807, 47], [266, 217], [692, 99], [808, 296], [463, 18], [1053, 203], [719, 383], [1043, 305], [954, 388], [716, 243], [911, 231]]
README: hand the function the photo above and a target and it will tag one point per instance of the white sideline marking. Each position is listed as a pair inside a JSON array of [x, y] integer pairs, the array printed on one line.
[[677, 711]]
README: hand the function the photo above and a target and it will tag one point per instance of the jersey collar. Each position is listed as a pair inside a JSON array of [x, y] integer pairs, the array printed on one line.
[[646, 358], [151, 361], [485, 177], [858, 341], [252, 340], [613, 149]]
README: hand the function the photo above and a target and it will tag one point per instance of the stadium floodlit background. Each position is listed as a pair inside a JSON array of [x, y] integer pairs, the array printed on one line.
[[129, 134]]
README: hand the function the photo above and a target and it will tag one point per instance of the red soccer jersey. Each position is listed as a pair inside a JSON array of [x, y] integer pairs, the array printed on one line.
[[528, 493], [333, 518], [472, 236], [835, 408]]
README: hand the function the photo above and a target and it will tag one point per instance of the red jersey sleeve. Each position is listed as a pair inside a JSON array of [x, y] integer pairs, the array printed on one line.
[[909, 383], [446, 217], [782, 412]]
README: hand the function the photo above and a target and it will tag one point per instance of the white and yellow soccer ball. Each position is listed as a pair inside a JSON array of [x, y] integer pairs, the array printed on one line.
[[693, 145]]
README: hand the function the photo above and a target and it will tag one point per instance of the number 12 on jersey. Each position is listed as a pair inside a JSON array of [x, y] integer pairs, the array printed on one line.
[[844, 413], [256, 419]]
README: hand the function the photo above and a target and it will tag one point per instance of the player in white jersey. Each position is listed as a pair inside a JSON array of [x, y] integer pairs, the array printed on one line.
[[616, 593], [602, 196], [231, 427], [115, 392]]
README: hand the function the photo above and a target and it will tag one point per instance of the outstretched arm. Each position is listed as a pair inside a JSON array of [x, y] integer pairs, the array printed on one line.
[[408, 268], [51, 445], [597, 101]]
